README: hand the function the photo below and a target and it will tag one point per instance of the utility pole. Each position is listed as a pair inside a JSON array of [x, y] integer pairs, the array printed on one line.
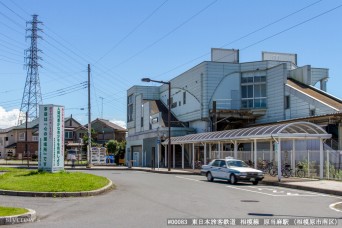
[[102, 108], [89, 120]]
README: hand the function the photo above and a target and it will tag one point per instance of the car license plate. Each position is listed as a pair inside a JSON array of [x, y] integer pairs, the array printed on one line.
[[252, 179]]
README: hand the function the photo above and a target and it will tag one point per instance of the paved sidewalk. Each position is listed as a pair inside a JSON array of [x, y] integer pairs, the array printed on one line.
[[314, 185]]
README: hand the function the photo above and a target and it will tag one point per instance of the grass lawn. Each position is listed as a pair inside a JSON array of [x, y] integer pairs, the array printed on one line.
[[28, 180], [9, 211]]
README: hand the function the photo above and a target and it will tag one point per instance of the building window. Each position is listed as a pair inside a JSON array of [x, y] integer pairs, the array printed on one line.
[[287, 102], [312, 112], [169, 101], [35, 138], [253, 92], [6, 139], [154, 120], [142, 122], [68, 135], [184, 97], [22, 136], [174, 105], [130, 108]]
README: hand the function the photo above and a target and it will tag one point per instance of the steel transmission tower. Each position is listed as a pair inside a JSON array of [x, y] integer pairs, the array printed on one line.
[[32, 96]]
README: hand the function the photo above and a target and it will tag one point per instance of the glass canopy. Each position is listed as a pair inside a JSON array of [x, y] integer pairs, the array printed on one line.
[[296, 130]]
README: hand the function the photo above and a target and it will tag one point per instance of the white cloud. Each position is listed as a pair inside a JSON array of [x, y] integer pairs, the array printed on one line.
[[8, 118], [120, 123]]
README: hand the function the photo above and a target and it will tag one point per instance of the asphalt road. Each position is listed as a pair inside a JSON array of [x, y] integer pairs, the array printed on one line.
[[148, 199]]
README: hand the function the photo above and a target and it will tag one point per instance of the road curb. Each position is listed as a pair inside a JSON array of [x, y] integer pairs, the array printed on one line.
[[102, 190], [164, 172], [29, 216], [305, 188], [118, 169]]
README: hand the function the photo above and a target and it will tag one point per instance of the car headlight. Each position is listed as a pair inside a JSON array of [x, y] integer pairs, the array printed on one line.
[[260, 174], [242, 174]]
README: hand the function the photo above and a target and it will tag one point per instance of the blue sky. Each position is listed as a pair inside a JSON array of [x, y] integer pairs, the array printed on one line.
[[124, 41]]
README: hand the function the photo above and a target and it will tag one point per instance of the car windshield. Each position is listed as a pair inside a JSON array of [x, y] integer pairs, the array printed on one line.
[[237, 163]]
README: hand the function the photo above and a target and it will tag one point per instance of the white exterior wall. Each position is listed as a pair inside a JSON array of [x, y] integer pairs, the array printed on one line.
[[275, 94], [219, 75], [228, 92], [184, 112], [147, 112], [3, 144], [148, 92], [318, 74], [137, 107], [301, 104], [190, 81], [200, 126]]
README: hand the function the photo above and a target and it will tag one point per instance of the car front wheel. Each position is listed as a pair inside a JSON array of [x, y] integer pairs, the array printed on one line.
[[210, 177], [233, 179], [255, 182]]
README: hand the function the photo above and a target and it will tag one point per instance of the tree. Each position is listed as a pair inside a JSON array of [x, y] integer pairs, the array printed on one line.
[[116, 148], [93, 143], [112, 146]]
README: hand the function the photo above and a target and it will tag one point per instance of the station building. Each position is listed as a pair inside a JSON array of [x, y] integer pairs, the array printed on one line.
[[224, 94]]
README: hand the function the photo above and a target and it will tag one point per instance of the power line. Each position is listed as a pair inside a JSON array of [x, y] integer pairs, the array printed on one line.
[[13, 11], [292, 27], [242, 37], [167, 34], [132, 31], [14, 22], [163, 37], [10, 27]]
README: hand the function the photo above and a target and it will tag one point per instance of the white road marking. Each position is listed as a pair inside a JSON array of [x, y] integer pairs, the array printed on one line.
[[249, 190], [269, 194], [332, 206], [186, 178], [293, 194], [308, 193], [262, 188]]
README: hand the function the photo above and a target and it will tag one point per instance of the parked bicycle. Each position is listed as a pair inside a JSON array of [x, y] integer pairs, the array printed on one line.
[[300, 171], [270, 169], [286, 171]]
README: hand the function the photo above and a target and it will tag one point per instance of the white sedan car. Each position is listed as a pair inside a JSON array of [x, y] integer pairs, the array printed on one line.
[[232, 170]]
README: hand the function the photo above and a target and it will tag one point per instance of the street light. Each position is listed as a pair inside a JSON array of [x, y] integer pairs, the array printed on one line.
[[169, 119]]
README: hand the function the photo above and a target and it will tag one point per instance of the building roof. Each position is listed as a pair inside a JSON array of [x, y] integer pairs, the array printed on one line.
[[12, 146], [71, 118], [297, 130], [6, 130], [319, 95], [109, 124], [32, 124]]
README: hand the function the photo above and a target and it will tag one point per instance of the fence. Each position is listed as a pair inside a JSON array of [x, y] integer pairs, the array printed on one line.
[[309, 160]]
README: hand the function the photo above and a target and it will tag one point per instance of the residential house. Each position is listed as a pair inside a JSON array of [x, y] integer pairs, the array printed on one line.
[[5, 141], [106, 130]]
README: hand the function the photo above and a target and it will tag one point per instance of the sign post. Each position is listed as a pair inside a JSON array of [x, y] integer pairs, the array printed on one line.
[[51, 138]]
